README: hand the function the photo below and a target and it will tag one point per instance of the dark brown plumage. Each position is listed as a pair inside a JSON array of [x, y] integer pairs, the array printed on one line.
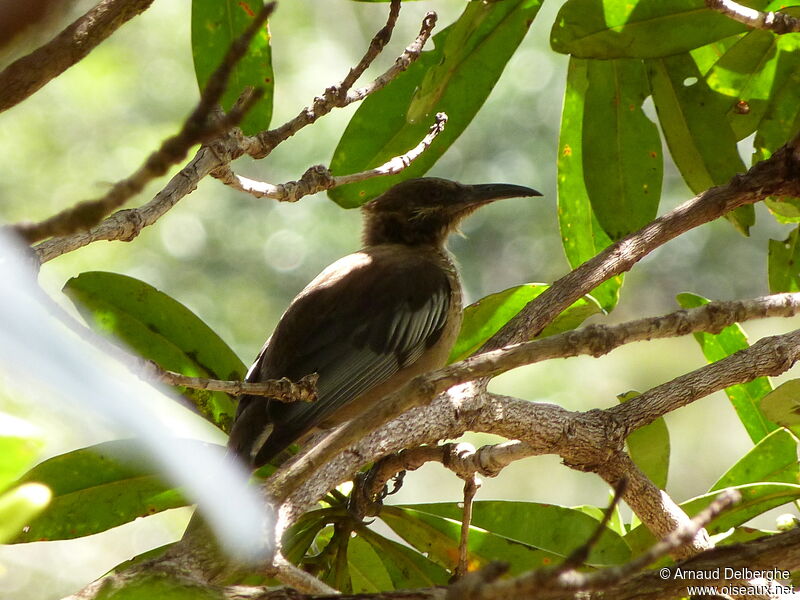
[[369, 322]]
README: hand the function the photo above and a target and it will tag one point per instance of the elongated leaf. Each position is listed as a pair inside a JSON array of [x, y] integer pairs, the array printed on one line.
[[456, 78], [298, 538], [487, 316], [151, 585], [407, 568], [97, 488], [215, 26], [782, 405], [622, 162], [17, 453], [160, 328], [649, 447], [368, 573], [774, 459], [746, 75], [781, 119], [581, 234], [757, 498], [699, 137], [784, 264], [19, 506], [745, 397], [638, 29], [532, 523], [438, 538]]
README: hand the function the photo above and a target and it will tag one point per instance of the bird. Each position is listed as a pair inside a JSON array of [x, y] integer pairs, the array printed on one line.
[[369, 322]]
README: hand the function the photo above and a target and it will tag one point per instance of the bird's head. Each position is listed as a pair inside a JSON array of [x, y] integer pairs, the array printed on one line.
[[428, 209]]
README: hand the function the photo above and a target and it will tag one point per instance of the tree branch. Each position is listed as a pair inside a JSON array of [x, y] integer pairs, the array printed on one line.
[[319, 178], [777, 22], [337, 96], [198, 127], [125, 225], [779, 175], [26, 75], [422, 389]]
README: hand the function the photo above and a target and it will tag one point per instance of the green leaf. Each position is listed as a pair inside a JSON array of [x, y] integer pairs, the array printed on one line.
[[148, 586], [745, 397], [215, 26], [649, 447], [581, 234], [298, 538], [531, 523], [757, 498], [638, 29], [774, 458], [700, 139], [97, 488], [163, 330], [746, 76], [622, 162], [19, 506], [782, 405], [17, 452], [456, 78], [488, 315], [783, 265], [407, 568], [438, 538], [367, 571], [781, 120]]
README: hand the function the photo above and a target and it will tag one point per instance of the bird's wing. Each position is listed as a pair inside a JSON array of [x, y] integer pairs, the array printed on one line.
[[362, 320]]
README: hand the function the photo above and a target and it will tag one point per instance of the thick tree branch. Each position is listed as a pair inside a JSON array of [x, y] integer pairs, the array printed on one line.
[[777, 22], [26, 75], [319, 178], [198, 127], [424, 388]]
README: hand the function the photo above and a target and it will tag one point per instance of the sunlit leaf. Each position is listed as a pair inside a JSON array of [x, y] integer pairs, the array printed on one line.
[[161, 329], [774, 458], [622, 162], [487, 316], [699, 136], [215, 25], [649, 447], [455, 77], [745, 397], [407, 568], [96, 488], [638, 29], [368, 573], [581, 234], [783, 265]]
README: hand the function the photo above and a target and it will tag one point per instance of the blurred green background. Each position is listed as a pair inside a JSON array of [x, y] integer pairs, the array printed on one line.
[[237, 261]]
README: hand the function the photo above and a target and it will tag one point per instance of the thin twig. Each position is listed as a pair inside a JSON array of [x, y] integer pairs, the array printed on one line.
[[376, 46], [319, 178], [198, 127], [471, 486], [776, 22], [281, 390], [28, 74], [126, 225], [335, 97]]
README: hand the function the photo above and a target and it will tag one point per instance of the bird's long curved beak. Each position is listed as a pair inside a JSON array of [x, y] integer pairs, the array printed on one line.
[[487, 192]]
